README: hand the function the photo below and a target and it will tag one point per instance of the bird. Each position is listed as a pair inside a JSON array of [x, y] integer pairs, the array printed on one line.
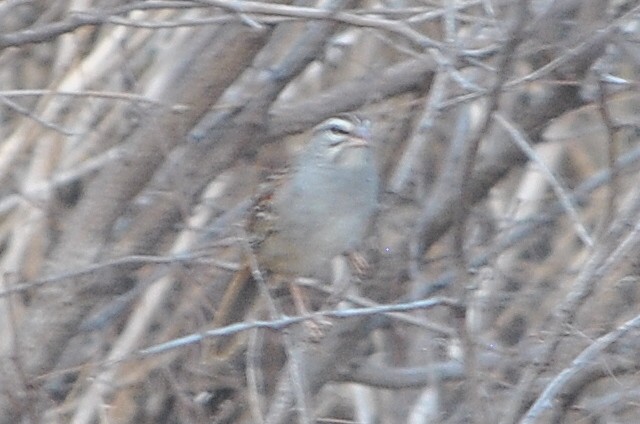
[[320, 209], [323, 209]]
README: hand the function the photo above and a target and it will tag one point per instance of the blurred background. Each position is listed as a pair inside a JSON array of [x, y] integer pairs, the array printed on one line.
[[501, 283]]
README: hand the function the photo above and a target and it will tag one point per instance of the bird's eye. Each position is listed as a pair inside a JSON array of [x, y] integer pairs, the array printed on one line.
[[338, 130], [336, 135]]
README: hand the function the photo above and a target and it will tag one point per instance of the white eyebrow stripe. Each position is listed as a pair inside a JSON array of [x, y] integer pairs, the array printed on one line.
[[337, 122]]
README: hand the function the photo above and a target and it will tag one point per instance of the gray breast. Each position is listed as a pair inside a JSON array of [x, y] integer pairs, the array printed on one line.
[[318, 220]]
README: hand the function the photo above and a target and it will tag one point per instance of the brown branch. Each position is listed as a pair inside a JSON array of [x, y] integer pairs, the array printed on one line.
[[57, 310]]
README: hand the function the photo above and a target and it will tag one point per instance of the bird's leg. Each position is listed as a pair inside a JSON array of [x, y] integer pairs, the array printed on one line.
[[314, 325], [340, 283], [359, 263], [298, 299]]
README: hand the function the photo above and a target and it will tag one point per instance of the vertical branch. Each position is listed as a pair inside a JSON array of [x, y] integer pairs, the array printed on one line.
[[503, 69], [612, 154]]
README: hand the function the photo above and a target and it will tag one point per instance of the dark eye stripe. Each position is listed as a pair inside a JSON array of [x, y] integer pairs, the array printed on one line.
[[339, 130]]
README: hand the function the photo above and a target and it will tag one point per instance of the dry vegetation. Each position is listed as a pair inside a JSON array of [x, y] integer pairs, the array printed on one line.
[[503, 279]]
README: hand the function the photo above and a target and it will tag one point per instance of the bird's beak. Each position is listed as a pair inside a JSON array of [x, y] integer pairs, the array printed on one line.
[[361, 137], [357, 142]]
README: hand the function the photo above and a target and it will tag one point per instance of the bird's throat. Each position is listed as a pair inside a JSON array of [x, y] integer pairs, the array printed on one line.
[[352, 157]]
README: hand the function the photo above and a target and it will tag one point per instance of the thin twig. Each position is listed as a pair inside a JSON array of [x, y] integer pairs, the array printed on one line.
[[284, 322], [612, 153], [520, 139], [421, 134], [397, 27], [548, 398]]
